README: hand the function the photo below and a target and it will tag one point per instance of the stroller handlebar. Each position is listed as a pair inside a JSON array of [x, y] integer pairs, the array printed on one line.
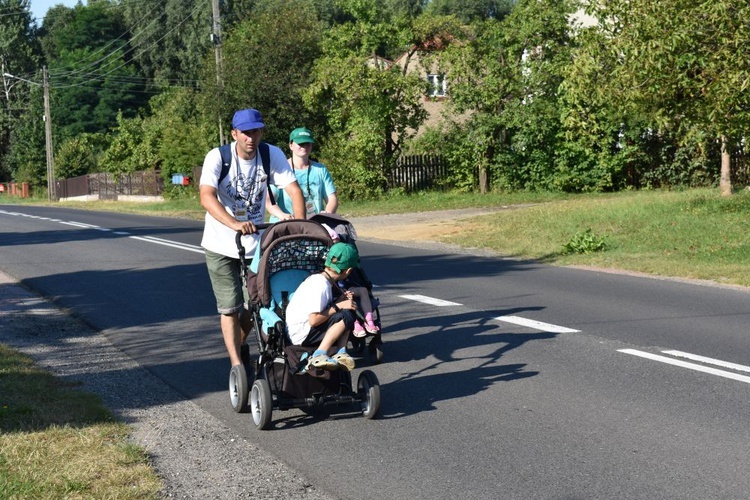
[[238, 236]]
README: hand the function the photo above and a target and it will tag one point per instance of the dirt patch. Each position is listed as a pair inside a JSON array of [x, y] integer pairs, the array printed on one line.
[[421, 226]]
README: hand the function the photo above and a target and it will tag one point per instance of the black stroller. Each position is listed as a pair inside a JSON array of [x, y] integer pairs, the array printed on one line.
[[358, 278], [288, 252]]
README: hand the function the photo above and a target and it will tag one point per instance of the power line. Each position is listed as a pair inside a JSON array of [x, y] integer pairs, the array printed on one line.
[[116, 52], [100, 76]]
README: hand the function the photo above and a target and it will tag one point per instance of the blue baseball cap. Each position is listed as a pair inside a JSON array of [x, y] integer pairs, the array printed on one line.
[[247, 119]]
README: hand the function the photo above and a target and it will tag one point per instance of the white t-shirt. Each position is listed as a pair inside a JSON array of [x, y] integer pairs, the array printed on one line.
[[312, 296], [243, 187]]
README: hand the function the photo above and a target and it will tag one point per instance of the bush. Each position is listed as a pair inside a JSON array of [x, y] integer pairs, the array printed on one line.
[[585, 242]]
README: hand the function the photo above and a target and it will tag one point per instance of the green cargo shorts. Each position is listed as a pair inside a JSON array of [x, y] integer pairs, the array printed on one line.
[[226, 280]]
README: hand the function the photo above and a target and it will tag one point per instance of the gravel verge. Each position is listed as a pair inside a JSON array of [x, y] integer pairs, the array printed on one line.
[[191, 450]]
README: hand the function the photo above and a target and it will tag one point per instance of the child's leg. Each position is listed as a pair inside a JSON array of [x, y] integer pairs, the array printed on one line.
[[363, 297], [333, 336]]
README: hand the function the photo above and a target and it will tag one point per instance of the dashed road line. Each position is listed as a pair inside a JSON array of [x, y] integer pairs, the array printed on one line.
[[83, 225], [169, 243], [430, 300], [709, 361], [689, 366], [537, 325]]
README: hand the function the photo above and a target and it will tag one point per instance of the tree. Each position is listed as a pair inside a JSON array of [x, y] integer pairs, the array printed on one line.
[[267, 63], [19, 56], [471, 10], [680, 64], [74, 157], [26, 157], [506, 77], [170, 39], [91, 79], [370, 109]]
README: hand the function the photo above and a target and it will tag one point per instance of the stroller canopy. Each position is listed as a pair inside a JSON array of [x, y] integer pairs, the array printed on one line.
[[290, 244]]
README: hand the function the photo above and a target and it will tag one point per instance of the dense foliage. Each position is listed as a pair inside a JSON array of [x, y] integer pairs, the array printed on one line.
[[642, 95]]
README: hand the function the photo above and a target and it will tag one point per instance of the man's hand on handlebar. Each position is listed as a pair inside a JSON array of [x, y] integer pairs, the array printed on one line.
[[245, 227]]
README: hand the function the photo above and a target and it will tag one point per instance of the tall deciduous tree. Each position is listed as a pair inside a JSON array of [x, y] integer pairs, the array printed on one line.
[[91, 78], [682, 64], [267, 63], [170, 38], [370, 109], [19, 56], [506, 76]]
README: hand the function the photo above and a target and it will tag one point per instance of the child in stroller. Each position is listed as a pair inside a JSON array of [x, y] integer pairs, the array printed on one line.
[[315, 317], [289, 253], [360, 286]]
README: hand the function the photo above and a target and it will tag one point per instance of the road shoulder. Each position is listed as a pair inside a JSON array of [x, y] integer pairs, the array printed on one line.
[[194, 453]]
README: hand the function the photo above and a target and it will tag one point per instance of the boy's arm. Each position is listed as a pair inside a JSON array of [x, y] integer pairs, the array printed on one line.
[[318, 318]]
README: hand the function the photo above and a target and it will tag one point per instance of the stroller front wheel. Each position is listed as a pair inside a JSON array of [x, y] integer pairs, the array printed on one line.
[[261, 403], [368, 388], [238, 390]]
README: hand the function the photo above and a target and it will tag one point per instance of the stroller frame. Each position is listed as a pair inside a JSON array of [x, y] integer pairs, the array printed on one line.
[[288, 252]]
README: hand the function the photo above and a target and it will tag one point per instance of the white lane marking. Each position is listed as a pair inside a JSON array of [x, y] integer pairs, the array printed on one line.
[[181, 246], [78, 224], [685, 364], [160, 240], [429, 300], [709, 361], [537, 325]]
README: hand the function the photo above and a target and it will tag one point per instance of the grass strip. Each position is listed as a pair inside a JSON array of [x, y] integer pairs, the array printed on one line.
[[57, 441]]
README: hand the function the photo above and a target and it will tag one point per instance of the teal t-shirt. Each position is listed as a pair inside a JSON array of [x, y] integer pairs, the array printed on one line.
[[316, 184]]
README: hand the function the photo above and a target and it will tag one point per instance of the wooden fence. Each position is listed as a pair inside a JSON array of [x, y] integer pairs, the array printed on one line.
[[110, 186], [418, 173], [411, 173]]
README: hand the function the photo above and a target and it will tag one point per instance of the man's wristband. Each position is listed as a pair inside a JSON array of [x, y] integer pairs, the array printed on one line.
[[335, 308]]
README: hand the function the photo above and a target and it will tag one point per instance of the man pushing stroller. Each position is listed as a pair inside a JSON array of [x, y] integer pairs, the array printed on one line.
[[315, 318]]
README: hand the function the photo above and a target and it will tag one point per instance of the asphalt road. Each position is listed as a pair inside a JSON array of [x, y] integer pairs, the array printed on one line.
[[501, 378]]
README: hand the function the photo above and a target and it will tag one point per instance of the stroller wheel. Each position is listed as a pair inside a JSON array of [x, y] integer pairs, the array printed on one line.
[[368, 388], [375, 351], [261, 403], [238, 388]]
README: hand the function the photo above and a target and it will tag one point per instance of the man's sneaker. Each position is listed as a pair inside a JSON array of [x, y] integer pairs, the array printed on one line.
[[323, 362], [371, 327], [359, 330], [345, 361]]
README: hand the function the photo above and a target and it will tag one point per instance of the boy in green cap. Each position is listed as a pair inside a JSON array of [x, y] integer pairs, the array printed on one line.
[[315, 318]]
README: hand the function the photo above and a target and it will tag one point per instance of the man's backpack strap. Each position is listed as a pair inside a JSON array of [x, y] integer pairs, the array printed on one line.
[[226, 161], [265, 158]]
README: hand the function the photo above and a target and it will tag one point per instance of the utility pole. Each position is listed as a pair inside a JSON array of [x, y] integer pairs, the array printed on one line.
[[51, 188], [216, 39]]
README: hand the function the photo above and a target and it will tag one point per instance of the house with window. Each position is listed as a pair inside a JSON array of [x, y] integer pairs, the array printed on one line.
[[437, 86]]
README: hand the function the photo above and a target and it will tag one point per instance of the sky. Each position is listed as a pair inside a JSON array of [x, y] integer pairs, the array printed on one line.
[[40, 7]]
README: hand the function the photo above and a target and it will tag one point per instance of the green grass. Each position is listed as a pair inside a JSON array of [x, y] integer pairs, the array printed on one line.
[[59, 442], [690, 234], [190, 208]]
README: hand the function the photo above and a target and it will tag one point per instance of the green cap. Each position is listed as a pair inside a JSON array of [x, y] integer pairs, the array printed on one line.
[[301, 135], [342, 256]]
